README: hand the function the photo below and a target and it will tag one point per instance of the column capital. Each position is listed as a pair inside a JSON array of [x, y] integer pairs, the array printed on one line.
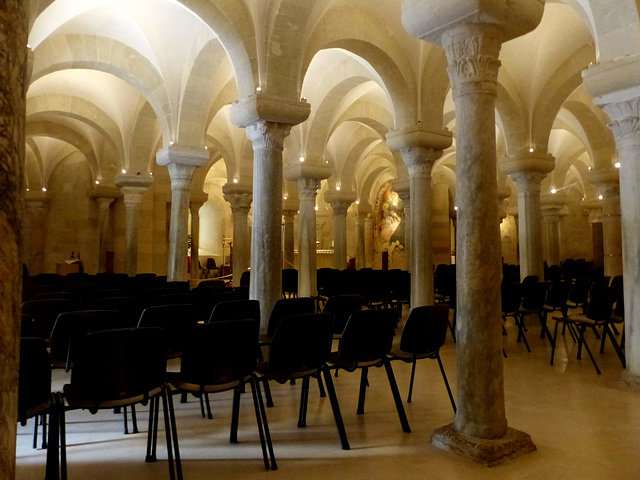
[[105, 191], [130, 180], [593, 209], [340, 201], [308, 188], [265, 134], [260, 108], [104, 202], [197, 199], [182, 163], [305, 170], [36, 202], [525, 161], [289, 214], [239, 197], [553, 200], [418, 136], [606, 180]]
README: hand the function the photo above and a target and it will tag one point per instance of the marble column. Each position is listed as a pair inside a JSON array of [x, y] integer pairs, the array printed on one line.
[[364, 210], [13, 40], [551, 216], [528, 169], [288, 251], [268, 121], [239, 197], [182, 163], [607, 183], [34, 232], [308, 178], [133, 188], [104, 196], [479, 430], [369, 250], [419, 150], [196, 200], [403, 188], [340, 202], [593, 210]]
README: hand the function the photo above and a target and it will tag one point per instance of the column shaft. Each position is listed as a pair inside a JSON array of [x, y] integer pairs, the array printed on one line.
[[612, 229], [307, 271], [132, 202], [360, 255], [553, 240], [530, 224], [339, 236], [289, 235], [194, 207], [104, 204], [368, 242]]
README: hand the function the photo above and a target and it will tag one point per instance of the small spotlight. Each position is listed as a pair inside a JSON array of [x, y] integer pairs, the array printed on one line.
[[29, 46], [235, 180], [455, 208], [259, 89], [206, 148], [316, 207], [124, 171], [531, 149], [27, 189], [357, 202], [338, 187], [589, 168], [171, 142], [97, 182], [285, 197], [44, 189], [151, 174], [617, 165], [600, 197], [553, 190], [301, 159]]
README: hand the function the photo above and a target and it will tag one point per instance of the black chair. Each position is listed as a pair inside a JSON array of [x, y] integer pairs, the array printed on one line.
[[300, 349], [598, 314], [73, 296], [286, 307], [120, 368], [609, 328], [219, 357], [366, 342], [236, 310], [533, 299], [422, 336], [216, 282], [556, 301], [289, 283], [130, 308], [341, 307], [176, 321], [45, 313], [210, 270]]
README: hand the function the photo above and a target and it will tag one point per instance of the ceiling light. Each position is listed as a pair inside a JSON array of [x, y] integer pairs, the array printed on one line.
[[235, 180], [206, 148], [357, 202], [316, 207], [124, 171], [259, 89], [531, 149], [617, 165], [171, 142], [338, 187], [553, 190], [97, 182], [27, 189], [455, 208], [301, 159], [44, 189], [285, 197], [600, 197]]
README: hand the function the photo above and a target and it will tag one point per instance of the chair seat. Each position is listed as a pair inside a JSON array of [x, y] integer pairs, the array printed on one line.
[[77, 402], [578, 318], [174, 379], [283, 377], [397, 354], [337, 361]]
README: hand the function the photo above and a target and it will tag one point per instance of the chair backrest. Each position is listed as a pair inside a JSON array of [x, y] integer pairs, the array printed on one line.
[[558, 294], [529, 280], [182, 287], [219, 353], [579, 290], [176, 298], [111, 293], [236, 310], [426, 329], [301, 343], [245, 279], [34, 386], [341, 307], [176, 322], [511, 297], [70, 326], [211, 263], [45, 313], [290, 281], [601, 303], [130, 308], [368, 335], [118, 364], [287, 307], [534, 295], [73, 296], [214, 282]]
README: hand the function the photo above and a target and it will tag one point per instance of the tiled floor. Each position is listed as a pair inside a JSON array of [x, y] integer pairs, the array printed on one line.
[[585, 427]]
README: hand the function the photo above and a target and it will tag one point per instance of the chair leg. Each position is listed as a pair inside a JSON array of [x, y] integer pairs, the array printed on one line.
[[206, 401], [555, 339], [586, 346], [53, 463], [413, 374], [446, 383], [63, 437], [323, 393], [521, 330], [134, 419], [235, 413], [396, 396], [335, 408], [201, 405], [156, 414], [35, 431], [267, 393], [150, 458], [616, 346], [167, 432], [363, 390], [304, 402], [263, 425], [174, 433], [126, 422]]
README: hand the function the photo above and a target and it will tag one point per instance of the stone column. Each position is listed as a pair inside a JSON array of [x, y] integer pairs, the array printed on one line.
[[182, 163], [13, 40], [608, 186], [132, 187], [34, 232], [528, 169], [340, 202], [480, 428], [363, 213], [308, 178], [368, 242], [104, 197], [289, 236], [196, 201], [552, 219], [239, 197], [268, 122], [403, 189], [419, 150], [593, 209]]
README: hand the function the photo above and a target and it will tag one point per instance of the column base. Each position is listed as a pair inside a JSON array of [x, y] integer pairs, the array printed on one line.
[[490, 452], [630, 380]]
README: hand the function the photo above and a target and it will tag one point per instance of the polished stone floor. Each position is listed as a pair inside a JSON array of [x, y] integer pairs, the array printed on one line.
[[584, 425]]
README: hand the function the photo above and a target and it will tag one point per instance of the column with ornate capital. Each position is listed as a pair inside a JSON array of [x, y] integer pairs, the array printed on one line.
[[480, 427], [419, 150], [132, 187], [182, 163], [239, 197], [403, 188], [608, 186], [340, 202], [268, 122], [363, 213], [196, 200]]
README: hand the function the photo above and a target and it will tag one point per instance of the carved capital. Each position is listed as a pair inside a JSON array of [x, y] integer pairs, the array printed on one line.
[[181, 175], [132, 196], [420, 160], [104, 202], [625, 122], [340, 208], [472, 53], [289, 215], [240, 202], [308, 188], [268, 135], [528, 182]]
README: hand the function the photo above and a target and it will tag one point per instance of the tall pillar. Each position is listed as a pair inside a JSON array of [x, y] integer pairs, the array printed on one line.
[[368, 242], [528, 169], [440, 224], [13, 40], [182, 163], [361, 256], [480, 427], [288, 254], [403, 188], [340, 202], [551, 207], [239, 197], [104, 197], [268, 122], [34, 232], [593, 209], [608, 186], [308, 178], [132, 187], [196, 200], [419, 150]]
